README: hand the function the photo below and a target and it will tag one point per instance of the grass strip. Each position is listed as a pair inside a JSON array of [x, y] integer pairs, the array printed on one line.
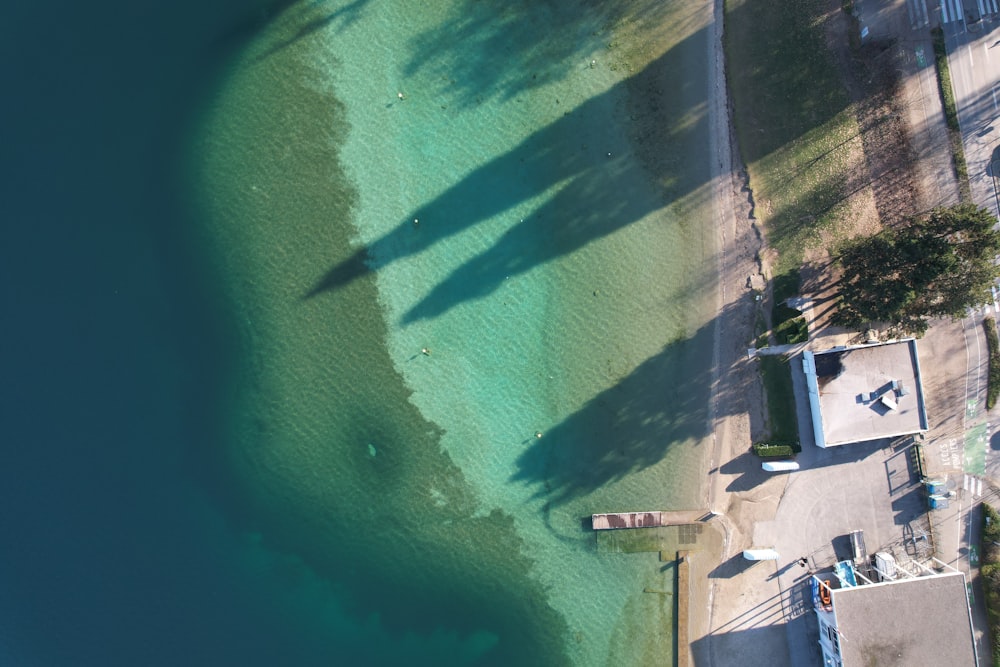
[[794, 124], [951, 115], [993, 379], [777, 377], [990, 572]]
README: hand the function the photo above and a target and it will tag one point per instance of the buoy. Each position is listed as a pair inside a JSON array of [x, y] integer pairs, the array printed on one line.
[[538, 434]]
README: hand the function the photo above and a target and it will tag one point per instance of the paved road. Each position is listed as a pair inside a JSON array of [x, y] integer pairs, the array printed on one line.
[[954, 361], [974, 61], [908, 23]]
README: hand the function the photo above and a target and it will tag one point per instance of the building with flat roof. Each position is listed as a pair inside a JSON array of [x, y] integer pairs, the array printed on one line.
[[908, 622], [863, 393]]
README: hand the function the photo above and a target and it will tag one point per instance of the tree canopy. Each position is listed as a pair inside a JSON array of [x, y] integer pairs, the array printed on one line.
[[938, 265]]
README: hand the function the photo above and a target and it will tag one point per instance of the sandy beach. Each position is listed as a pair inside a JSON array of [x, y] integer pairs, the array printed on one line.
[[735, 487]]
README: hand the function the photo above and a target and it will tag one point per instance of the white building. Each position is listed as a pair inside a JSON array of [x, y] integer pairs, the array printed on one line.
[[863, 393], [909, 622]]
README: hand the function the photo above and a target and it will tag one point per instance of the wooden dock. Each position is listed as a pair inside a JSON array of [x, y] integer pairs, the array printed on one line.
[[650, 519], [683, 608]]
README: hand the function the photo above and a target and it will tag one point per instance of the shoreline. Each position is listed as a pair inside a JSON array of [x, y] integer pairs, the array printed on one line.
[[737, 405]]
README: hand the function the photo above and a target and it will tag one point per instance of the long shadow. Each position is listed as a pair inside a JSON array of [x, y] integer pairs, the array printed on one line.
[[344, 17], [598, 188], [631, 425], [747, 466], [735, 566], [784, 85], [479, 52]]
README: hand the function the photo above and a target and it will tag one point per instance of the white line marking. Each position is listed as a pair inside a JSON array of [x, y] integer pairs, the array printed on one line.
[[979, 488], [995, 106], [965, 483], [944, 12], [981, 10]]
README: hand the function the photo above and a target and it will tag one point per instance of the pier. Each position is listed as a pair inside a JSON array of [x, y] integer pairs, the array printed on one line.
[[650, 519], [683, 608]]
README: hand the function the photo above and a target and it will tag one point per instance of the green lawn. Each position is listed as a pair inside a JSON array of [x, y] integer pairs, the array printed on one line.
[[793, 119], [777, 377]]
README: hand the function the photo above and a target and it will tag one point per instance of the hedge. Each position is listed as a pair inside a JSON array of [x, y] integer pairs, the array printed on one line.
[[993, 378], [767, 450], [990, 573]]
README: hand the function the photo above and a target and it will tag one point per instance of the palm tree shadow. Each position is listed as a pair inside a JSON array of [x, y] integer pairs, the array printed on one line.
[[582, 212], [598, 190], [627, 427], [345, 16], [478, 53]]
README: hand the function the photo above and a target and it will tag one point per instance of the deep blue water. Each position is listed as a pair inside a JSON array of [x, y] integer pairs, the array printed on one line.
[[112, 353], [127, 534]]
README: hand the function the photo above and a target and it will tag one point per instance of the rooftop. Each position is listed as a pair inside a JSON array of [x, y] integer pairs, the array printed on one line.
[[865, 393], [921, 621]]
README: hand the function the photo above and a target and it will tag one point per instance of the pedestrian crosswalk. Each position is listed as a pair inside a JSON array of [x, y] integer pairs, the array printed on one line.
[[917, 10], [951, 11], [974, 485]]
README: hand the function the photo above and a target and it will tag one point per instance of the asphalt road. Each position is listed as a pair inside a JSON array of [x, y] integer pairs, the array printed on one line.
[[974, 62]]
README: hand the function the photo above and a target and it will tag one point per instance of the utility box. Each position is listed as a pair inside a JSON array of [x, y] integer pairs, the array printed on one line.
[[885, 565], [858, 550]]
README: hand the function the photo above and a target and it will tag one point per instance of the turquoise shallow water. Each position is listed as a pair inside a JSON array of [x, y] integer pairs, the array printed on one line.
[[520, 190]]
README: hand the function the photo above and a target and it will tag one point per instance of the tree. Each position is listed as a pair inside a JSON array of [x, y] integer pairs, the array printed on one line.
[[934, 266]]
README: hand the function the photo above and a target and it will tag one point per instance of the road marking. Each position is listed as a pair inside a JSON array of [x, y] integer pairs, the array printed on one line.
[[981, 10], [975, 453], [917, 9], [944, 12], [950, 454]]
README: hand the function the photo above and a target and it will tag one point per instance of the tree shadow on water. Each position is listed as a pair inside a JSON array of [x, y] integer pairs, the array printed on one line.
[[630, 426], [597, 188], [504, 50], [584, 210], [314, 19]]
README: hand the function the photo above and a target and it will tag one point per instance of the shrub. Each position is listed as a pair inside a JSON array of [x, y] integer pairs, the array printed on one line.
[[990, 573], [951, 114], [993, 379], [767, 450], [792, 331]]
